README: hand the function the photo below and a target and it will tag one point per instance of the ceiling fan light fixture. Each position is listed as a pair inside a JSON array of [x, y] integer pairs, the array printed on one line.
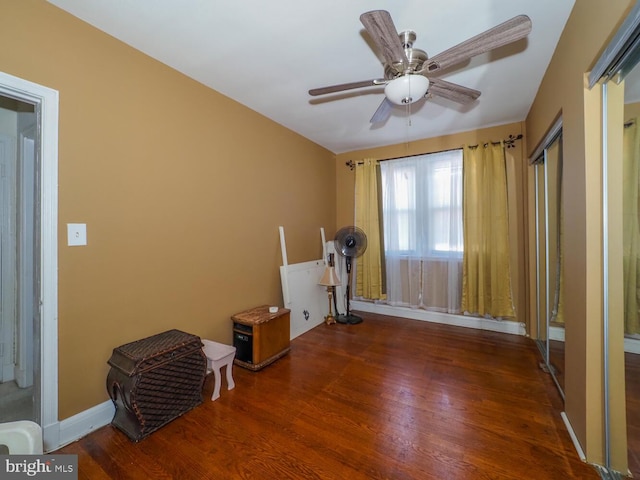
[[406, 89]]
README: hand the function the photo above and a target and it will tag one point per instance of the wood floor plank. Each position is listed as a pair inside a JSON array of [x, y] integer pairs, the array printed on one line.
[[390, 398]]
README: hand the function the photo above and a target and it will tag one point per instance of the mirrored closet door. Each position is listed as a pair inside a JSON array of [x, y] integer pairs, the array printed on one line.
[[631, 263], [547, 165]]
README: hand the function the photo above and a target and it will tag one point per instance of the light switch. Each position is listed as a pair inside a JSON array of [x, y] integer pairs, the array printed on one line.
[[76, 234]]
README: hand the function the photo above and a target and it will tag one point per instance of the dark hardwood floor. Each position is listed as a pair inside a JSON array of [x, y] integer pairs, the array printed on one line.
[[386, 399]]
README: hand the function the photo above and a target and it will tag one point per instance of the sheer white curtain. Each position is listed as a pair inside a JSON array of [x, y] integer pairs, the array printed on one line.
[[422, 221]]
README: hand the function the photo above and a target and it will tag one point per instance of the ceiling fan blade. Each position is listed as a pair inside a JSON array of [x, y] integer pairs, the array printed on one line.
[[514, 29], [452, 91], [346, 86], [383, 112], [383, 32]]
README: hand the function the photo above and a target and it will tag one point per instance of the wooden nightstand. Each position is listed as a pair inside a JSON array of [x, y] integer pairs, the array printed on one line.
[[260, 337]]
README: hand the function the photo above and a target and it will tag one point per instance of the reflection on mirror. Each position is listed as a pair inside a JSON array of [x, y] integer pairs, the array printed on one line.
[[631, 263], [549, 284]]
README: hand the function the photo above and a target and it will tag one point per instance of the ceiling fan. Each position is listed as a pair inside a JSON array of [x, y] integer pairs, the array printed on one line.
[[409, 74]]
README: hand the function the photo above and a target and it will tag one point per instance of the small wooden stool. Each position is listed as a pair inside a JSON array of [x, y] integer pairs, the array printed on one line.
[[218, 355]]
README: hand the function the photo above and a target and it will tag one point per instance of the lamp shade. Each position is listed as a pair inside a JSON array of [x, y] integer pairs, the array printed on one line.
[[406, 89], [329, 278]]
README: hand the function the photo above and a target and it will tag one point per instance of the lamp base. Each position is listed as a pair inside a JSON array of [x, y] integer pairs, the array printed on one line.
[[348, 319], [329, 319]]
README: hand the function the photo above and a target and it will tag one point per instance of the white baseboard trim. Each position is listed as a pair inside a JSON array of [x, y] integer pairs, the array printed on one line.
[[502, 326], [574, 439], [556, 333], [632, 345], [80, 425]]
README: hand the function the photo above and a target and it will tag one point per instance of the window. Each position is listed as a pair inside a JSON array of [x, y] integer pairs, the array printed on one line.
[[422, 204], [422, 221]]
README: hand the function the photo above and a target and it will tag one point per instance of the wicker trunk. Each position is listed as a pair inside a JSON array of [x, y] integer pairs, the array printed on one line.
[[155, 380]]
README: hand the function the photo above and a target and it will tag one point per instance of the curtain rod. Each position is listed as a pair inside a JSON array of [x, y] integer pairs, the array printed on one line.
[[508, 143]]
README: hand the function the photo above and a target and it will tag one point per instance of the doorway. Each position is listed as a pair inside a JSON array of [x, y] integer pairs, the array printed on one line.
[[39, 291], [19, 269]]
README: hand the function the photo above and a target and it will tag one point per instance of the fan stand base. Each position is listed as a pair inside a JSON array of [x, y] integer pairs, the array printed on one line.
[[348, 319]]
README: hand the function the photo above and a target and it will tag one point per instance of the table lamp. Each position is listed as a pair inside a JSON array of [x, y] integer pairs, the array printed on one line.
[[331, 281]]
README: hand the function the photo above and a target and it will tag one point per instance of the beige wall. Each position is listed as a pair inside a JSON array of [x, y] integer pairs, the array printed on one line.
[[516, 176], [182, 191], [562, 92]]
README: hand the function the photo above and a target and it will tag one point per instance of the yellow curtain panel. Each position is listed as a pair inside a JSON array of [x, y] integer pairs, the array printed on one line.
[[369, 268], [486, 281]]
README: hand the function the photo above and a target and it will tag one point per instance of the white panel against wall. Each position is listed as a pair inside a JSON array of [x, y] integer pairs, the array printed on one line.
[[306, 299]]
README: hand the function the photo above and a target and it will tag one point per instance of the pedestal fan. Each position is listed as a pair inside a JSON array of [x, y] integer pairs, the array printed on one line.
[[350, 243]]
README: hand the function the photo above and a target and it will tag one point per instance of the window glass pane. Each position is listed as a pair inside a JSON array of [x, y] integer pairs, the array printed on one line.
[[422, 204]]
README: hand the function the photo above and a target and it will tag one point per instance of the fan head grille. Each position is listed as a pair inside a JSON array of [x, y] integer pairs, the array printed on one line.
[[350, 242]]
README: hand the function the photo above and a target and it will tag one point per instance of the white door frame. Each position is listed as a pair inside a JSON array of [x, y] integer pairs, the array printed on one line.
[[46, 101]]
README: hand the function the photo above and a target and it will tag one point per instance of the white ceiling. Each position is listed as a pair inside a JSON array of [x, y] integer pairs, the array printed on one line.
[[268, 54]]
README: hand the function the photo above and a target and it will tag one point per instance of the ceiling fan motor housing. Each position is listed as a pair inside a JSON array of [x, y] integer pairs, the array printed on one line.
[[416, 57]]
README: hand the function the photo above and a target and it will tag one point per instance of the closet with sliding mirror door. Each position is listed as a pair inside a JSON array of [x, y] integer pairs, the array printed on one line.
[[547, 179], [617, 74]]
